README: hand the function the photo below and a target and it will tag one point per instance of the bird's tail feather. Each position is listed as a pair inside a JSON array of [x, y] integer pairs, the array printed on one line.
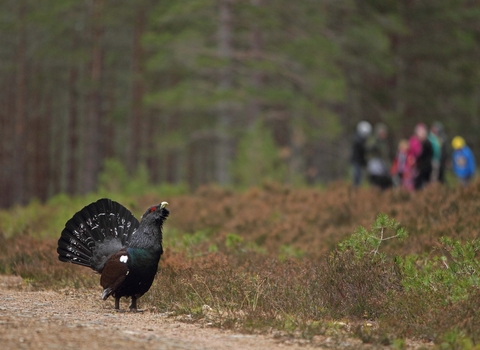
[[95, 232]]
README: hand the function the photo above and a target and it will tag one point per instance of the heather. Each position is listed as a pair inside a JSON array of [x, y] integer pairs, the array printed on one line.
[[381, 266]]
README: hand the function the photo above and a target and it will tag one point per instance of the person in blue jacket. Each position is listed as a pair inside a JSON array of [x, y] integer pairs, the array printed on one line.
[[463, 161]]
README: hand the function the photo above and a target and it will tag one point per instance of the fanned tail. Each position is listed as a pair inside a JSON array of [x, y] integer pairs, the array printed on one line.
[[94, 233]]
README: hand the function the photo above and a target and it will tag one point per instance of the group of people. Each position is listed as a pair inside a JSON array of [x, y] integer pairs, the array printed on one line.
[[419, 160]]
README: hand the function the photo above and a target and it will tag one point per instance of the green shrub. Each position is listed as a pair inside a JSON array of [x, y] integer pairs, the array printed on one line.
[[452, 273], [367, 243]]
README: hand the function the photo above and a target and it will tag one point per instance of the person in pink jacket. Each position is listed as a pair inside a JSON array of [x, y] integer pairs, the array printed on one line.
[[409, 171], [419, 157]]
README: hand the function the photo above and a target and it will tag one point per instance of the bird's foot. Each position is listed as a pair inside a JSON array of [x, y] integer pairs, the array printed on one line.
[[120, 310], [135, 310]]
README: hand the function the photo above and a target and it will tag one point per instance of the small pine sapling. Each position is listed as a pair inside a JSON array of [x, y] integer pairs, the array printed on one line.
[[367, 242]]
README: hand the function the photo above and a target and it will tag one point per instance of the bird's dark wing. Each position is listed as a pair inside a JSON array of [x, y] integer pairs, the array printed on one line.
[[114, 272], [95, 233]]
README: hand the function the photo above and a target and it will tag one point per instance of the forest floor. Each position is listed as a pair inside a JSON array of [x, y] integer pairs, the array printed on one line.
[[79, 319]]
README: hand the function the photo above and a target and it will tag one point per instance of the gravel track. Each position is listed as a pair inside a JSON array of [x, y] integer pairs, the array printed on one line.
[[79, 319]]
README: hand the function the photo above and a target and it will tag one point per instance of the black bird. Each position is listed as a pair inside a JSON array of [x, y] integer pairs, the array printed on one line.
[[106, 237]]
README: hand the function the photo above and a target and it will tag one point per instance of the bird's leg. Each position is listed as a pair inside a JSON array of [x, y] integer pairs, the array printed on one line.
[[133, 305], [117, 303]]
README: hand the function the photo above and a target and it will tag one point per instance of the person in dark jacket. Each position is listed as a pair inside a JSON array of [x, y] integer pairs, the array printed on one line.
[[359, 151], [439, 131], [379, 158], [423, 162]]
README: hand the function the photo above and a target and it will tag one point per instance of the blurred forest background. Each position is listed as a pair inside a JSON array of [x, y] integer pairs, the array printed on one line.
[[222, 91]]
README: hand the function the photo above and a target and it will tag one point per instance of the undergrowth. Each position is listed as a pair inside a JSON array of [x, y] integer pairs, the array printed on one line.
[[299, 261]]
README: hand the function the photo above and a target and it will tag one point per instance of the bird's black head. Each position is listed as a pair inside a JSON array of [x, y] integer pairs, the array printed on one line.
[[149, 234], [157, 213], [157, 210]]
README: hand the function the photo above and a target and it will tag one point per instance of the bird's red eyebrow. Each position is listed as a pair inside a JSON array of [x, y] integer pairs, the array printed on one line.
[[152, 209]]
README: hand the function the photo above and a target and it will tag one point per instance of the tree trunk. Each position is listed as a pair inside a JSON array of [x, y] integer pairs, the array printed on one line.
[[136, 122], [40, 127], [55, 146], [152, 159], [224, 151], [92, 132], [171, 157], [20, 110], [257, 46], [7, 139], [107, 126], [72, 130]]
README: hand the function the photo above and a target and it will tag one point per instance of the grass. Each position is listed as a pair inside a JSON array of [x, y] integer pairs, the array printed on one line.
[[305, 262]]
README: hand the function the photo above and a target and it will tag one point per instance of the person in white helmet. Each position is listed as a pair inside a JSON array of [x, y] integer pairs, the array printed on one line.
[[359, 151]]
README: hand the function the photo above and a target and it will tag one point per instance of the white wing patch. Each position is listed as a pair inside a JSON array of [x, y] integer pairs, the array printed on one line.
[[124, 259]]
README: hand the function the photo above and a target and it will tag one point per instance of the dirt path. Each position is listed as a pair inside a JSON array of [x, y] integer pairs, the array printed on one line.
[[69, 319], [72, 319]]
